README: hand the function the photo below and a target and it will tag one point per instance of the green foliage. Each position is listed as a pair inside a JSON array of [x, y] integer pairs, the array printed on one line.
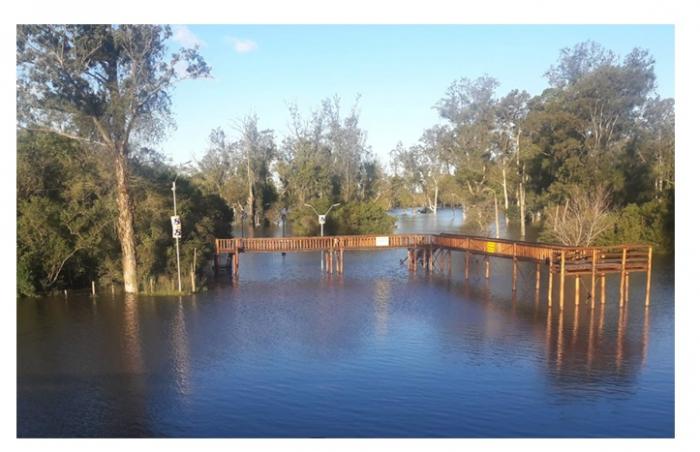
[[363, 218], [66, 217], [650, 222], [348, 219]]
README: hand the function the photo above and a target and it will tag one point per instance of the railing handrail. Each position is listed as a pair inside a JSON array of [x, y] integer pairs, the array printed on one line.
[[408, 239]]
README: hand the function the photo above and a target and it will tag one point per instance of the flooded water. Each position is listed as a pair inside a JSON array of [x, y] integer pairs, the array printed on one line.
[[287, 351]]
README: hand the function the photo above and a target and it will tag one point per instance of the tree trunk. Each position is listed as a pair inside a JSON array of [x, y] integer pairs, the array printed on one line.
[[125, 223], [498, 224], [435, 199], [522, 210], [505, 194], [251, 195]]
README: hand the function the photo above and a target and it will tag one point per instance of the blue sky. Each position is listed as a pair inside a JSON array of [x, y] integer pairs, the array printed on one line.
[[399, 71]]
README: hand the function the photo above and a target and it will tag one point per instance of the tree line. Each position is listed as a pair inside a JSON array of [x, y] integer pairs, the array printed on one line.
[[588, 160]]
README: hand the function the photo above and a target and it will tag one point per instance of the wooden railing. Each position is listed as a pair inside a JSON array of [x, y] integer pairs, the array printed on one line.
[[300, 244], [577, 259], [629, 258]]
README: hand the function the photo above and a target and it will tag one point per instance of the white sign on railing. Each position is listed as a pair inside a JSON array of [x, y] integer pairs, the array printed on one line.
[[382, 241]]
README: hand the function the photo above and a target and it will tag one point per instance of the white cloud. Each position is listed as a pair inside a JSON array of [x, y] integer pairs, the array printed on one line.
[[185, 37], [243, 45]]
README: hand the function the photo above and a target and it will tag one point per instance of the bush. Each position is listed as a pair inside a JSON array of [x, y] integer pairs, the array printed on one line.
[[348, 219], [364, 218], [651, 222]]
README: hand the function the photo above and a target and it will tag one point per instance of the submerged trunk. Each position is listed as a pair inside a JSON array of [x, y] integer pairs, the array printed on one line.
[[505, 194], [251, 196], [498, 225], [522, 210], [125, 224], [435, 201]]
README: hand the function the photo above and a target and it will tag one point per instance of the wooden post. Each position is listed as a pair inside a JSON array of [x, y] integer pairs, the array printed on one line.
[[486, 267], [194, 287], [449, 262], [602, 288], [538, 270], [235, 262], [562, 273], [646, 301], [622, 276], [627, 287], [430, 259], [342, 260], [93, 288], [576, 296], [593, 270], [466, 264]]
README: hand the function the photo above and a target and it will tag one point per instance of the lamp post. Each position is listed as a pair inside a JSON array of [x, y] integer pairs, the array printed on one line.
[[322, 218], [322, 221], [176, 228]]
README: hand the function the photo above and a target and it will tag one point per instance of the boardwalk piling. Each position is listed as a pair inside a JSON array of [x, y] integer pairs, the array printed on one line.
[[648, 286], [550, 283], [577, 286], [593, 270], [562, 273], [602, 288], [622, 276]]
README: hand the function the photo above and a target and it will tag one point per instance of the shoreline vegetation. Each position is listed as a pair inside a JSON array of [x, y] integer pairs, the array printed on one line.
[[590, 160]]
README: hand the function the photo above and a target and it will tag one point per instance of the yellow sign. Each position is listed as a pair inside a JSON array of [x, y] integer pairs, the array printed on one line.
[[490, 247]]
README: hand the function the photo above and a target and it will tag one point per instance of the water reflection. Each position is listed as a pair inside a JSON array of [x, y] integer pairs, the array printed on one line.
[[382, 298], [181, 350], [132, 356], [378, 351]]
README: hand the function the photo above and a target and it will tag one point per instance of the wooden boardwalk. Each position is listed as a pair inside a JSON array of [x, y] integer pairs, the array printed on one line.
[[434, 251]]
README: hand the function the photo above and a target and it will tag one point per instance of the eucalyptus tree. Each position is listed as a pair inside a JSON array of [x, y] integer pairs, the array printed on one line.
[[470, 107], [424, 166], [257, 151], [348, 146], [511, 112], [106, 86], [583, 125]]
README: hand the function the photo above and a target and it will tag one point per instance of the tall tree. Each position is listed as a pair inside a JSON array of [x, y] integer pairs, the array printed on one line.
[[257, 151], [105, 85], [511, 112]]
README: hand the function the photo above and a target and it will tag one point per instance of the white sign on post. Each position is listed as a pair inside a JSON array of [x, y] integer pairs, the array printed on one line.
[[321, 219], [177, 226], [382, 241]]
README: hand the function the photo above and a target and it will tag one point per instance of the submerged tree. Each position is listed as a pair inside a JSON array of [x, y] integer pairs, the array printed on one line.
[[105, 86], [582, 219]]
